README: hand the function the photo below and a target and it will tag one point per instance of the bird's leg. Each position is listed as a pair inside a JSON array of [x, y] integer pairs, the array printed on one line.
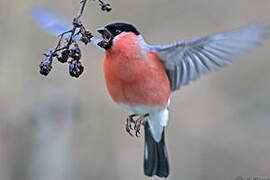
[[138, 124], [128, 122]]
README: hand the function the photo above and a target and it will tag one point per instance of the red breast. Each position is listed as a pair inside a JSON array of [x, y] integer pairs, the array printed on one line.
[[133, 75]]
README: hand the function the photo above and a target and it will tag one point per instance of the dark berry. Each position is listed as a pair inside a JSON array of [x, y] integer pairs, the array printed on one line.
[[75, 53], [75, 68], [45, 67], [64, 56]]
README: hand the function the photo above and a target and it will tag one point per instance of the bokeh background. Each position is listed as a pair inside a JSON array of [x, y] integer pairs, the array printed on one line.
[[61, 128]]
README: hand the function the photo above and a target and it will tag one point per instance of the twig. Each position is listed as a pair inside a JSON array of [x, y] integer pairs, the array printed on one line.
[[78, 32], [82, 8]]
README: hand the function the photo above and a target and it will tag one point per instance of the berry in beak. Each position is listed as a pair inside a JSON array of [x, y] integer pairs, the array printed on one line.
[[106, 43]]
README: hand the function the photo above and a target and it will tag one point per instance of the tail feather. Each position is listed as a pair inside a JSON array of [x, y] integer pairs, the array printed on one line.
[[155, 155]]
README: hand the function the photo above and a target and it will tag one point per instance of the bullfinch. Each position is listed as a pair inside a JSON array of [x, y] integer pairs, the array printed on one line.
[[141, 77]]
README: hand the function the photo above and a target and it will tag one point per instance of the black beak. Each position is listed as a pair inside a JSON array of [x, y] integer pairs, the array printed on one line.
[[100, 30], [106, 44]]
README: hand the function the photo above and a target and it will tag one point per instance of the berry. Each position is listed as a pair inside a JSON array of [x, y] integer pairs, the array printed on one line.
[[75, 52], [45, 66], [75, 68], [64, 56]]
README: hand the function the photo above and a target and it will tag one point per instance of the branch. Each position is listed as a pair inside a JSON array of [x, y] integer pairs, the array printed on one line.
[[63, 53]]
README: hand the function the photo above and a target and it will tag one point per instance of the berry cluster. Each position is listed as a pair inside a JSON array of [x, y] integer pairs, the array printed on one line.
[[70, 53], [75, 66]]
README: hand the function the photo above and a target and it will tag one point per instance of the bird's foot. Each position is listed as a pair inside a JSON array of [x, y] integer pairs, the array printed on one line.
[[128, 122], [137, 124]]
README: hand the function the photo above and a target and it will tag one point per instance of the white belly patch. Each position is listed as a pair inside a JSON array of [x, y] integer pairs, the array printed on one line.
[[141, 110]]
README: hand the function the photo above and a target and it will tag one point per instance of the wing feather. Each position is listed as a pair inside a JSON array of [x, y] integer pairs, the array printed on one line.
[[185, 61], [184, 78], [49, 21], [193, 70]]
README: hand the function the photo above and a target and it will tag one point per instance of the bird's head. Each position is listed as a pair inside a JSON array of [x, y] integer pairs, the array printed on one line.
[[111, 31]]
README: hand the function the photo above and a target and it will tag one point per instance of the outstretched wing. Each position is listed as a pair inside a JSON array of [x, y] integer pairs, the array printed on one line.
[[54, 24], [185, 61], [49, 21]]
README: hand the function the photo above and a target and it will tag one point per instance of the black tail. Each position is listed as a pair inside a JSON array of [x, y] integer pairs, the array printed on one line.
[[155, 155]]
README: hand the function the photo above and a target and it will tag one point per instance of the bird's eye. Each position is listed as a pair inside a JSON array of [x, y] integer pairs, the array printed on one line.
[[118, 31]]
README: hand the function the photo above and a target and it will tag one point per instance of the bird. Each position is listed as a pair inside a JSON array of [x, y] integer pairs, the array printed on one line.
[[141, 77]]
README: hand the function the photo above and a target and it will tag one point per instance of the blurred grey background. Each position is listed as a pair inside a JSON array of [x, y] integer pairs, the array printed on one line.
[[58, 127]]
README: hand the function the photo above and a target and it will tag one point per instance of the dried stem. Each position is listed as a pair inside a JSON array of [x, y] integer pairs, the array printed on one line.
[[82, 8], [78, 32]]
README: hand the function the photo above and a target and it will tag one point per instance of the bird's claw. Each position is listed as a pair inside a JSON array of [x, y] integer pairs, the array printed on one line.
[[137, 124], [138, 133], [128, 131], [128, 122]]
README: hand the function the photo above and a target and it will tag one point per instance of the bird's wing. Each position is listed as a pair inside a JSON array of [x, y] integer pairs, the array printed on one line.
[[185, 61], [54, 24], [49, 21]]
